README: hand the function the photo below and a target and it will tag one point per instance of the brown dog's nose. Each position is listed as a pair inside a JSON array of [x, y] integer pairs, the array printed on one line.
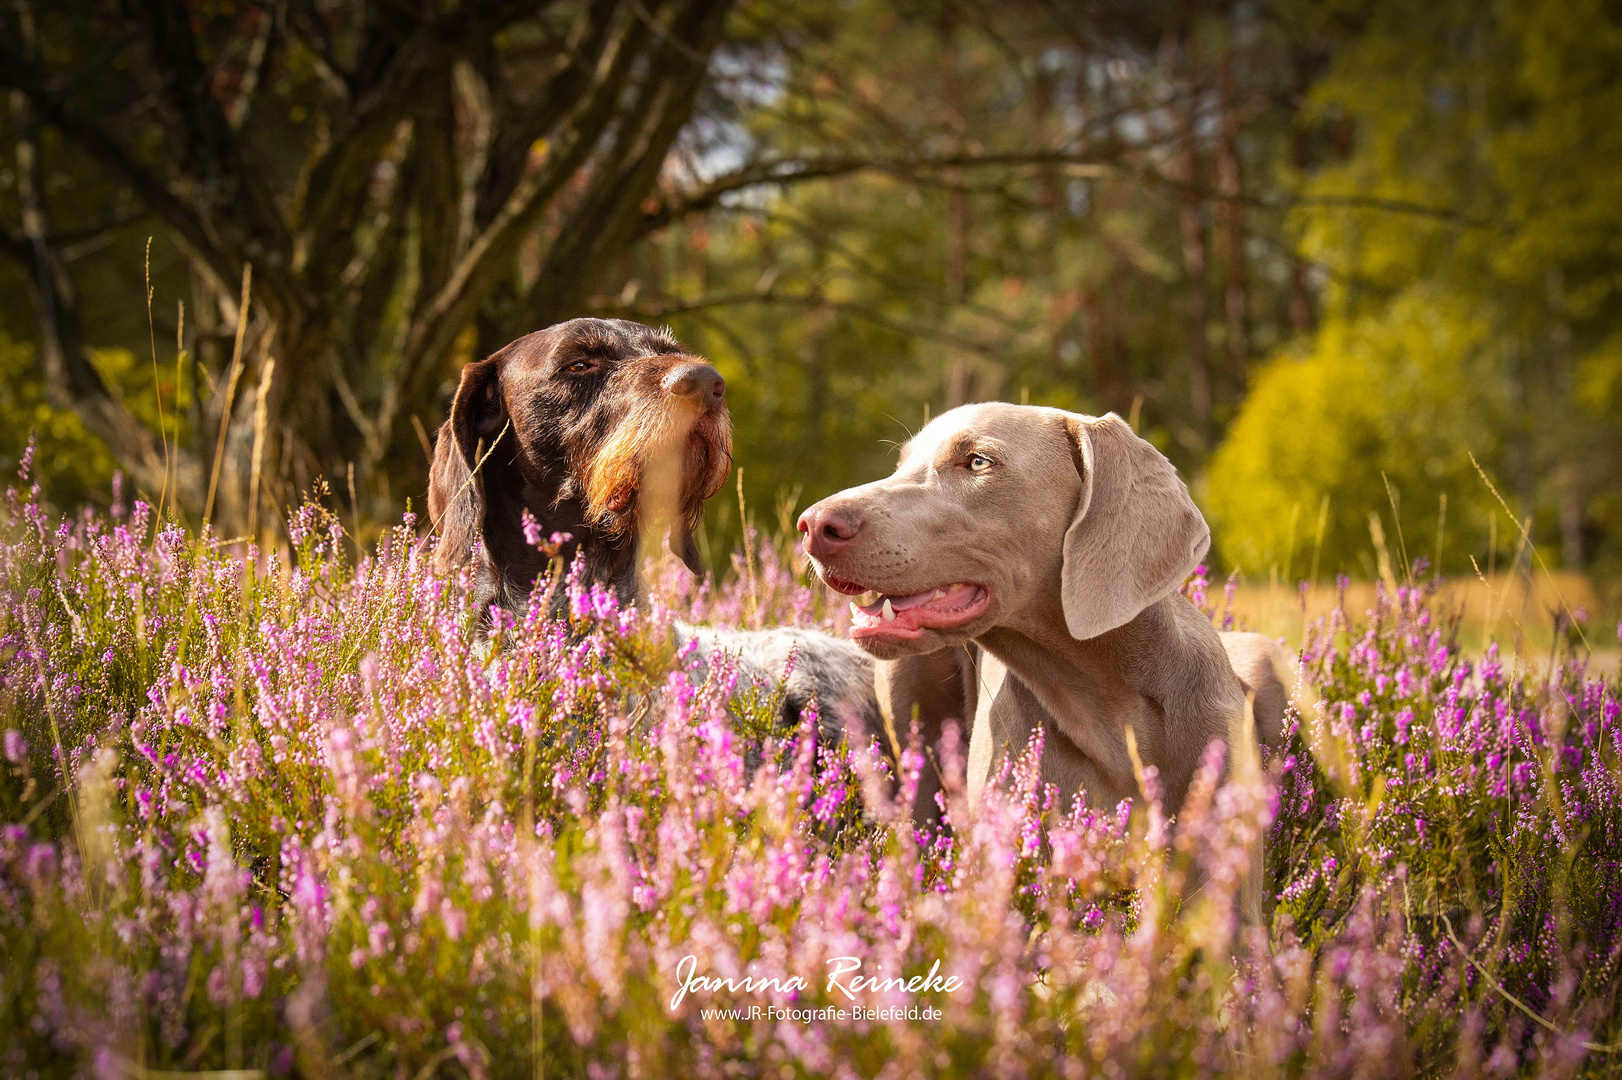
[[827, 529], [697, 380]]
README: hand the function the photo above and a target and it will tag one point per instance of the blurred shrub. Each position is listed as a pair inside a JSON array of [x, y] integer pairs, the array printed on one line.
[[1377, 400], [69, 462]]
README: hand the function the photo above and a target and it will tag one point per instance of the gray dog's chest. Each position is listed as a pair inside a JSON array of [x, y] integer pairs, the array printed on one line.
[[1084, 749]]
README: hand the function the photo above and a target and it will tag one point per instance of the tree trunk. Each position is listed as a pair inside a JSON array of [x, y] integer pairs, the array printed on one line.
[[1230, 184], [1301, 318], [1060, 306], [1559, 400], [1189, 217], [71, 381], [815, 356], [959, 374]]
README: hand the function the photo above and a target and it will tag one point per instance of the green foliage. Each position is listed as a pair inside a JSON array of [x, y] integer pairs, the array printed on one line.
[[1472, 238], [72, 465], [1383, 227], [1377, 400]]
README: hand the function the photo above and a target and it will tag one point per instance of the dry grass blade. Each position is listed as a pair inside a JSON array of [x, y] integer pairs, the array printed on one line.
[[1526, 538], [1596, 1048], [230, 392], [473, 472], [157, 382], [261, 417], [140, 1072], [1382, 553]]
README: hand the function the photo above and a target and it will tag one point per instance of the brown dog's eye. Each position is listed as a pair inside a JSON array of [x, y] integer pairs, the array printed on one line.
[[978, 463], [580, 367]]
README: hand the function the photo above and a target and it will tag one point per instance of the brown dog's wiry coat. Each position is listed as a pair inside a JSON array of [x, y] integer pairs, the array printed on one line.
[[562, 423], [603, 429]]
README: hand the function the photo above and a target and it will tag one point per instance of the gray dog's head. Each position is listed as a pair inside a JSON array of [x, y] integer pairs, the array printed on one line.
[[1007, 515]]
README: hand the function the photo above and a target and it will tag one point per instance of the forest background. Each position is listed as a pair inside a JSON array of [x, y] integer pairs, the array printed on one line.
[[1353, 265]]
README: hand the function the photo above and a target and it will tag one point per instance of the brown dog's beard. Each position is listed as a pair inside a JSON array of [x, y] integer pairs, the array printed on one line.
[[705, 465], [661, 461]]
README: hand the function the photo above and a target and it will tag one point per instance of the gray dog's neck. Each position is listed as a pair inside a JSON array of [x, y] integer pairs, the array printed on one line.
[[1036, 643], [1098, 686]]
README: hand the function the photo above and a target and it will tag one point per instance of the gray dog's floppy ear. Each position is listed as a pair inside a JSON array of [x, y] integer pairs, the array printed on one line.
[[456, 498], [1136, 534]]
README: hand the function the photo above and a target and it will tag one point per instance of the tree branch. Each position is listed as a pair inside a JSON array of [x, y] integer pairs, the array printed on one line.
[[19, 72], [472, 279], [607, 220], [380, 103], [799, 170], [584, 51], [607, 306], [211, 154]]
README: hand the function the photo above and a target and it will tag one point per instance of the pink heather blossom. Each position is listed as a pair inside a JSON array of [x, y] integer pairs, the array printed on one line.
[[334, 812]]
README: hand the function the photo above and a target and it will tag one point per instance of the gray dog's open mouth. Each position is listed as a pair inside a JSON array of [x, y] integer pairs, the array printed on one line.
[[944, 607]]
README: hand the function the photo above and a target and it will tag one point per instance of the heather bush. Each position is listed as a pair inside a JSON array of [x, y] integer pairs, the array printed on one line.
[[281, 812]]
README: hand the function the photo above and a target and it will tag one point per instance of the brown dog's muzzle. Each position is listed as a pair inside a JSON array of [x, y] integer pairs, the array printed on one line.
[[669, 452]]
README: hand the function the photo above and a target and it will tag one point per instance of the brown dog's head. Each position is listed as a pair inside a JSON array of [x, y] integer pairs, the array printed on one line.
[[600, 428], [1008, 515]]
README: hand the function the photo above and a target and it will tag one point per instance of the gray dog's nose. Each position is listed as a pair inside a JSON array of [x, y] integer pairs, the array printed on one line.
[[696, 380], [827, 530]]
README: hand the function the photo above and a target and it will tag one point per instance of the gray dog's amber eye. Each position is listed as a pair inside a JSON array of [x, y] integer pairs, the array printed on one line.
[[979, 463]]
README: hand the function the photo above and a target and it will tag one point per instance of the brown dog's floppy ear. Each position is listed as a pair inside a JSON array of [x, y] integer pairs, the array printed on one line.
[[456, 499], [1136, 534]]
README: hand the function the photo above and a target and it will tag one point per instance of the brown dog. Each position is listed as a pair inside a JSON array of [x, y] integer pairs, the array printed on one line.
[[594, 427], [603, 429], [1056, 542]]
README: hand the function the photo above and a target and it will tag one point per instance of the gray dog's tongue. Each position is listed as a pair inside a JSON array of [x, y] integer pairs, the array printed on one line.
[[931, 607]]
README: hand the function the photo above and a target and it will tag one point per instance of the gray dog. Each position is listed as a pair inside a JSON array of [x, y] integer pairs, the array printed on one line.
[[1055, 542]]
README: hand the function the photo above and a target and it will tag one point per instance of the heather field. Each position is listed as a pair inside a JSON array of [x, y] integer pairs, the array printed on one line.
[[276, 813]]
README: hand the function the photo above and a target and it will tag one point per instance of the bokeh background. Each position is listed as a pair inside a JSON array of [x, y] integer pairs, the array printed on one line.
[[1353, 265]]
